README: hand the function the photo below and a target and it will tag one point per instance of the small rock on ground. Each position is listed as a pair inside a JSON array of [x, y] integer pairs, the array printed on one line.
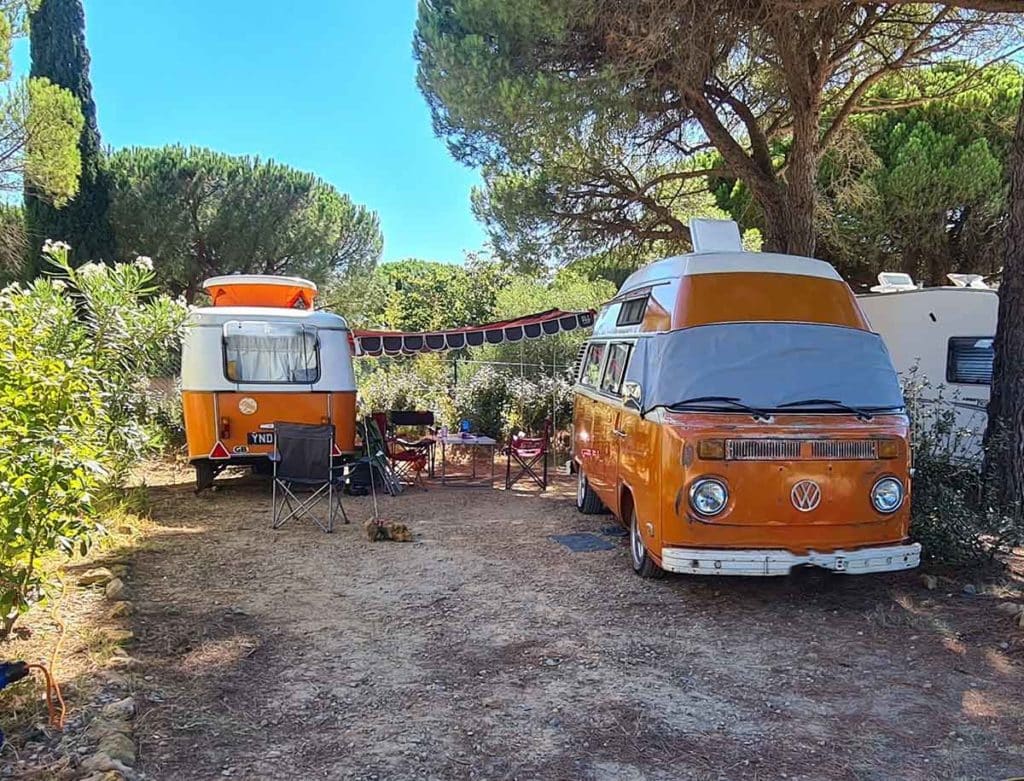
[[97, 575], [100, 728], [116, 590], [122, 709], [100, 763], [1010, 608], [121, 610], [118, 747], [930, 582]]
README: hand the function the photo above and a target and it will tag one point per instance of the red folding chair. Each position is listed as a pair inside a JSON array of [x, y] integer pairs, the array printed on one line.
[[414, 430], [407, 464], [528, 453]]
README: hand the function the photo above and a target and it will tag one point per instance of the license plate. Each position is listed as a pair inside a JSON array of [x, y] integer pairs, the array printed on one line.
[[261, 437]]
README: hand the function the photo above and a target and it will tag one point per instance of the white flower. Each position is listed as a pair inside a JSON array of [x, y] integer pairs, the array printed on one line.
[[144, 262], [50, 246], [60, 284], [91, 270]]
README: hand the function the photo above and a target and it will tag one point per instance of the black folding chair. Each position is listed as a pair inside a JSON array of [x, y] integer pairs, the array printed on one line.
[[303, 459]]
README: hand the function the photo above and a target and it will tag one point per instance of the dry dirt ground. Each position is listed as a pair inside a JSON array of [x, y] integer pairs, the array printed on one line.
[[486, 650]]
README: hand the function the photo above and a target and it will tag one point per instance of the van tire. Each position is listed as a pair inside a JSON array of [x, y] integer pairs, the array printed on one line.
[[587, 502], [643, 564]]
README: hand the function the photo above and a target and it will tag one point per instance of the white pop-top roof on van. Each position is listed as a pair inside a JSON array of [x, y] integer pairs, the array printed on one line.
[[718, 250], [726, 263], [218, 315]]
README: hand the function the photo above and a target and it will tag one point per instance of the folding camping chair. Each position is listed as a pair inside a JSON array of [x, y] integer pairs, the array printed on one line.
[[406, 463], [377, 453], [420, 422], [528, 453], [303, 458]]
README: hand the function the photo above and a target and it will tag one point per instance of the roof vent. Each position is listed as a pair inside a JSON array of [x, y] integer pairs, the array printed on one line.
[[976, 281], [715, 235], [893, 282]]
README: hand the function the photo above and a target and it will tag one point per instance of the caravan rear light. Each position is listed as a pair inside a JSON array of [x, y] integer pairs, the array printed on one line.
[[225, 429]]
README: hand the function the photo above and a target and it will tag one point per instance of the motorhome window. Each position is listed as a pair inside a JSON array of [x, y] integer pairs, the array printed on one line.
[[591, 373], [618, 357], [969, 360], [270, 353], [631, 312]]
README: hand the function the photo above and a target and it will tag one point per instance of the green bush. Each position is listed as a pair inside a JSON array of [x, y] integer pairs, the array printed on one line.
[[952, 512], [482, 399], [75, 351], [497, 402]]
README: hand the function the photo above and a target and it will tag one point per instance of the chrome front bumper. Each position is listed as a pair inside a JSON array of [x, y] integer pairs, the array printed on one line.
[[864, 561]]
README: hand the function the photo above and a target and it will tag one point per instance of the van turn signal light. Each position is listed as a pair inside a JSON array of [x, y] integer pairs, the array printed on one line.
[[888, 448], [711, 449]]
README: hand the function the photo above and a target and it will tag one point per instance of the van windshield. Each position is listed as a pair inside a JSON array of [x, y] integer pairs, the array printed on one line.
[[270, 353], [790, 367]]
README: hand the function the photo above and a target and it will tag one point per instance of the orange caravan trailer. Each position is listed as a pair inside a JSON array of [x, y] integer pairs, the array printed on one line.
[[262, 354], [737, 414]]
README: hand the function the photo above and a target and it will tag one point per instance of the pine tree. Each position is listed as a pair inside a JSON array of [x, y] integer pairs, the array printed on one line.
[[59, 53]]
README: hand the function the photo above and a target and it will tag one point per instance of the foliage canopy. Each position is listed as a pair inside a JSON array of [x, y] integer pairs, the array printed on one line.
[[200, 213]]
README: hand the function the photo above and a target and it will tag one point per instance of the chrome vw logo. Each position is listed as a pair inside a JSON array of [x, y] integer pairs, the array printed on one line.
[[806, 495]]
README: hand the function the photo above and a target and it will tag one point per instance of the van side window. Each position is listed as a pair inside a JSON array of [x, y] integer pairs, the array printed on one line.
[[969, 360], [592, 365], [618, 357], [631, 312]]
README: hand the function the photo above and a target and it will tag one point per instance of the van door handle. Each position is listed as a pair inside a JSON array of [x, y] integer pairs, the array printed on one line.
[[619, 433]]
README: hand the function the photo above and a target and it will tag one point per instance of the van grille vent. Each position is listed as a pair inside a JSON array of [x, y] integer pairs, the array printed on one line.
[[762, 449], [797, 449], [844, 449]]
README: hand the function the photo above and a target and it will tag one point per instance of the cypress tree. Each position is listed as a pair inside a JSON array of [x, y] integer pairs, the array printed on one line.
[[59, 53]]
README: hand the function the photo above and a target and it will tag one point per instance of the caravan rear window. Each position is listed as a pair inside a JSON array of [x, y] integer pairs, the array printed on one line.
[[969, 360], [271, 353]]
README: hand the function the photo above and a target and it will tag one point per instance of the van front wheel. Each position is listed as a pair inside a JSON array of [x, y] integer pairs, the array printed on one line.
[[587, 502], [643, 564]]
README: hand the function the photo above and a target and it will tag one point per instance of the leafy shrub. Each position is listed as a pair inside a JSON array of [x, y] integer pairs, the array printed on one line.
[[952, 512], [75, 351], [483, 400]]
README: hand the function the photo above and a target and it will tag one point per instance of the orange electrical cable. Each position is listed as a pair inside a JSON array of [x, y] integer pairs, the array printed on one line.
[[52, 690], [49, 673]]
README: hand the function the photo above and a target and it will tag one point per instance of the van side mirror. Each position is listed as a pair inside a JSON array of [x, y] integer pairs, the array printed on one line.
[[631, 395]]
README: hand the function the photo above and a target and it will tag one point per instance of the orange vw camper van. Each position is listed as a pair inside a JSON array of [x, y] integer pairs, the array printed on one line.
[[736, 413]]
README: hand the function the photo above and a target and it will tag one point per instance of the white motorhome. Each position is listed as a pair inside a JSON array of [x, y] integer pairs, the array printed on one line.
[[941, 335]]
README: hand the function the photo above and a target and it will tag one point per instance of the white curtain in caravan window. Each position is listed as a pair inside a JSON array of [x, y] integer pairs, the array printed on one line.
[[272, 357]]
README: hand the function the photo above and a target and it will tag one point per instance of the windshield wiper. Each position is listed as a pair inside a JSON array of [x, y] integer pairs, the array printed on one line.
[[862, 414], [733, 401]]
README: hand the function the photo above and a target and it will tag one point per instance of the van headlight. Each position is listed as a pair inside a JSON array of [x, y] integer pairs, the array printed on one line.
[[708, 496], [887, 495]]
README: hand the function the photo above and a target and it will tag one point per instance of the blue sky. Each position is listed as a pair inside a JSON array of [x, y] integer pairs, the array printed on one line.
[[328, 88]]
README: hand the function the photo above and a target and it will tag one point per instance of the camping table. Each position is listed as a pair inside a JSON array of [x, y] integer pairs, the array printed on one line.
[[473, 442]]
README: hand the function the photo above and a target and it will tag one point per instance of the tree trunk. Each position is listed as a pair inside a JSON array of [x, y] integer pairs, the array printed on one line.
[[1004, 438], [801, 176]]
